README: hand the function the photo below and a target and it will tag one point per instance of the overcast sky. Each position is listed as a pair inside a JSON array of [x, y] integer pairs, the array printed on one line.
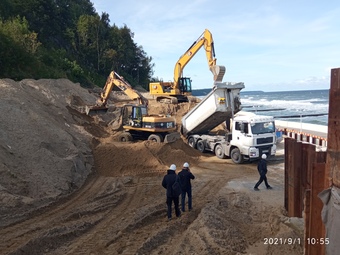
[[270, 45]]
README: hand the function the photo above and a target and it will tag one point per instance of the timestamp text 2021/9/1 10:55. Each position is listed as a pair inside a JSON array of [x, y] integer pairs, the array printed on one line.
[[295, 240]]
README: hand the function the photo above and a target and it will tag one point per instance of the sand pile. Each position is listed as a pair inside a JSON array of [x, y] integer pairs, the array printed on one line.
[[141, 158], [46, 142], [48, 148], [44, 152]]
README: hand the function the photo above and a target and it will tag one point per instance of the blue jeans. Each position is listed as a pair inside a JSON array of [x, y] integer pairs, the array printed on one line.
[[184, 192]]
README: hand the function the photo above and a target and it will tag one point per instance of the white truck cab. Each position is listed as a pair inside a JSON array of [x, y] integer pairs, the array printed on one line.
[[251, 136]]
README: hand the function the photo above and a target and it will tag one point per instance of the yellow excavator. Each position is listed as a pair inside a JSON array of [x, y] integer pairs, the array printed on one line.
[[179, 90], [137, 123]]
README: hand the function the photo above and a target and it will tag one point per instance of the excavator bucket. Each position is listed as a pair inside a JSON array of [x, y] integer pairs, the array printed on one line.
[[172, 137], [218, 72], [94, 110]]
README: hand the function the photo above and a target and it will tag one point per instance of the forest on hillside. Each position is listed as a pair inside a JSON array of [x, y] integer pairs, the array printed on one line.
[[67, 39]]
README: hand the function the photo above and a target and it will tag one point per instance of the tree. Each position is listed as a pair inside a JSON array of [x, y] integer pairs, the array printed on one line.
[[18, 30], [93, 34], [5, 9], [66, 38]]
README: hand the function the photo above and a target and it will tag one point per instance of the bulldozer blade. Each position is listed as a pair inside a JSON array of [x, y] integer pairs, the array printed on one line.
[[172, 137], [93, 110]]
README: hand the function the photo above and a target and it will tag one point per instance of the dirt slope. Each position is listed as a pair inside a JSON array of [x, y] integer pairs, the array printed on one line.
[[44, 153], [67, 187]]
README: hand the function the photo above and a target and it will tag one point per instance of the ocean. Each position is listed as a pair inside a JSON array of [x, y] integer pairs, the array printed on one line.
[[304, 106]]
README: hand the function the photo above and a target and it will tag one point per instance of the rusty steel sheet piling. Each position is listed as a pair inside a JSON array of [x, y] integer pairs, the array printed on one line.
[[333, 148], [309, 172]]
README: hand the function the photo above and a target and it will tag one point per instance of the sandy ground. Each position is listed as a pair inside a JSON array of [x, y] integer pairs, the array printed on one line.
[[67, 187]]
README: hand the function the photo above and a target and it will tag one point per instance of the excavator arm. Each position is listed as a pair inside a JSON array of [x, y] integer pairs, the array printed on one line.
[[180, 88], [207, 41], [114, 80]]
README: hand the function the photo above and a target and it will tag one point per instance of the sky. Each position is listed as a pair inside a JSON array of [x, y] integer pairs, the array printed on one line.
[[270, 45]]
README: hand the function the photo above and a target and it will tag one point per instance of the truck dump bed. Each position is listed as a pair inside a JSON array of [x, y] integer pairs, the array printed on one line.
[[218, 106]]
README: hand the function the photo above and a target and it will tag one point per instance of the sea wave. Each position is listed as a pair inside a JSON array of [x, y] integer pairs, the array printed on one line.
[[298, 104]]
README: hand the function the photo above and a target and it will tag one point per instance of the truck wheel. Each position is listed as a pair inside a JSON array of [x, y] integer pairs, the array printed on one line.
[[236, 156], [219, 152], [200, 146], [192, 142], [155, 138], [125, 137]]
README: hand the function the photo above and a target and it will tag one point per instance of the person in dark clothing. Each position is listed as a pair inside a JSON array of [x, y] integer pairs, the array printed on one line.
[[262, 168], [168, 180], [185, 176]]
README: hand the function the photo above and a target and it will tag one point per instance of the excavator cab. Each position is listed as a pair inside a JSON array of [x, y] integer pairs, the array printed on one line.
[[185, 85], [133, 115]]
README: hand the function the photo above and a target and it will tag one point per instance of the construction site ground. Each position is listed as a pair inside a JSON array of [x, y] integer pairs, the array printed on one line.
[[68, 187]]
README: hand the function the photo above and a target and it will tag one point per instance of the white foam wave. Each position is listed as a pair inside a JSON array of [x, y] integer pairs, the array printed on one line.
[[294, 105]]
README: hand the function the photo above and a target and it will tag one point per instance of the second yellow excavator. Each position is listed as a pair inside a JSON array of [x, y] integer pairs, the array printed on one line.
[[179, 90], [137, 123]]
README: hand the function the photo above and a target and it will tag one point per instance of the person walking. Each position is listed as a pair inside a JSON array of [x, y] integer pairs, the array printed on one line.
[[262, 168], [169, 179], [186, 176]]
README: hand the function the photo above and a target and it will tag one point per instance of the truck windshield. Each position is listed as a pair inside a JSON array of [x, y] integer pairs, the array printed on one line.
[[263, 127]]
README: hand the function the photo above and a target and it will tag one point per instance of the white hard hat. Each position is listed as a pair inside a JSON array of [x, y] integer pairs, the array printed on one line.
[[173, 167], [186, 164], [264, 156]]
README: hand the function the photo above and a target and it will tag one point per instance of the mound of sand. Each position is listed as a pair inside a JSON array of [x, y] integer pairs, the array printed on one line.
[[49, 147], [141, 158], [47, 142]]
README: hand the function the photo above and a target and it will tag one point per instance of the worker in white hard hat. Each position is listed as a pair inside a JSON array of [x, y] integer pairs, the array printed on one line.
[[186, 176], [262, 168], [168, 181]]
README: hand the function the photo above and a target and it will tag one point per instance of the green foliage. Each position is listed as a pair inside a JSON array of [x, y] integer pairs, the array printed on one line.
[[18, 30], [67, 39], [5, 9], [11, 54], [75, 69]]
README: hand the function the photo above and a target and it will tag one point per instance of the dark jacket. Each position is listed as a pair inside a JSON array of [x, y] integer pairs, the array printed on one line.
[[185, 176], [167, 182], [262, 167]]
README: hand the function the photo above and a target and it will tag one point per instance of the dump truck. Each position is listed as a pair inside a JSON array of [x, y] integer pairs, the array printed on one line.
[[247, 137]]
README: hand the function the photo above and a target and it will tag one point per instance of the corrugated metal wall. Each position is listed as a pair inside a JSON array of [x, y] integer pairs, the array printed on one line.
[[308, 172]]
